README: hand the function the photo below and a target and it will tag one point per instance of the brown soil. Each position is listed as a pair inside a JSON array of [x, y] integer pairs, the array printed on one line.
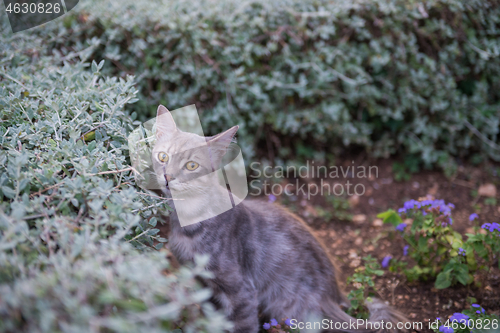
[[349, 241]]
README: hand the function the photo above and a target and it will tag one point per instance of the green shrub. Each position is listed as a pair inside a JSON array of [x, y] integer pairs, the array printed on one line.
[[387, 76], [76, 237]]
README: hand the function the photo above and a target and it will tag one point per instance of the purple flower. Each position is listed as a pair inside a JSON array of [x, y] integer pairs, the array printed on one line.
[[385, 261], [445, 210], [445, 329], [402, 210], [473, 216], [461, 252], [405, 250], [272, 198], [287, 322], [410, 204], [274, 322], [491, 226], [460, 317], [266, 326], [426, 203], [401, 227], [478, 306]]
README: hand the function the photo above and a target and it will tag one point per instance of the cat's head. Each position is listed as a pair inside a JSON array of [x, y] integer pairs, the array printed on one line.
[[185, 162]]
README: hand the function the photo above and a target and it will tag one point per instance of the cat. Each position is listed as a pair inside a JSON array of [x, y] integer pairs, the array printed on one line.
[[265, 261]]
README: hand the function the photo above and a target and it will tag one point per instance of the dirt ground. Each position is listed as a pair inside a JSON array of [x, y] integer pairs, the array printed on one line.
[[349, 241]]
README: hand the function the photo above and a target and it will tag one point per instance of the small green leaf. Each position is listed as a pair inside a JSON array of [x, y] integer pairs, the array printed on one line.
[[443, 281], [89, 136], [391, 217]]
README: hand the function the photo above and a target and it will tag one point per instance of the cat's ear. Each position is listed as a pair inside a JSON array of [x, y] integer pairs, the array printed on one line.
[[165, 124], [224, 138], [219, 143]]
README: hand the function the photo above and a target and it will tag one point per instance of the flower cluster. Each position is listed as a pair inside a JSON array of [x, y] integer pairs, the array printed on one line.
[[480, 308], [437, 207], [473, 216], [491, 226], [457, 317], [401, 227], [466, 321], [386, 260], [425, 226], [274, 327]]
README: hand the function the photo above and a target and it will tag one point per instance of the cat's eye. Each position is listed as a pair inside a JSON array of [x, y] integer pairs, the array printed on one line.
[[163, 157], [192, 165]]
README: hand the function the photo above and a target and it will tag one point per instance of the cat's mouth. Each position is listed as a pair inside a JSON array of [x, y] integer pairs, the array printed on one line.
[[166, 181], [166, 178]]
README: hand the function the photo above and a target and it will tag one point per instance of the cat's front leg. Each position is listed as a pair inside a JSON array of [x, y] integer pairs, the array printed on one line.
[[238, 298]]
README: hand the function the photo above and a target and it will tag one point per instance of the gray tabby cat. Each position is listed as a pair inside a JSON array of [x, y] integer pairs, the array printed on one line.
[[265, 260]]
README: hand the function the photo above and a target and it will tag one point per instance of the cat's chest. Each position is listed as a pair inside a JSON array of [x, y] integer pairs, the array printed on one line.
[[185, 246]]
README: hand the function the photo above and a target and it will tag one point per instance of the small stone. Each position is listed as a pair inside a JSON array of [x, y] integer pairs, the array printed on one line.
[[408, 221], [354, 200], [378, 223], [369, 248], [359, 218], [355, 263], [369, 191], [358, 241], [487, 190]]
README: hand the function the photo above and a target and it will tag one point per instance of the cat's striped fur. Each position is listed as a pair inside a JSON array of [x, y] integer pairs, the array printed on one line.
[[265, 261]]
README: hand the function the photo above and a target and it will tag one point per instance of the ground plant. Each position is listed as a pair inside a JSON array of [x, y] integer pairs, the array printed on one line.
[[363, 285], [439, 252], [474, 319]]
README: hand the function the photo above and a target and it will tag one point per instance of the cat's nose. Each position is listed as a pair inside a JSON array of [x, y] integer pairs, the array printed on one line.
[[169, 178]]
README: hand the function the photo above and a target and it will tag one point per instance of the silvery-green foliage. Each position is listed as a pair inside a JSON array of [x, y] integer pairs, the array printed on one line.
[[414, 77], [77, 239]]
